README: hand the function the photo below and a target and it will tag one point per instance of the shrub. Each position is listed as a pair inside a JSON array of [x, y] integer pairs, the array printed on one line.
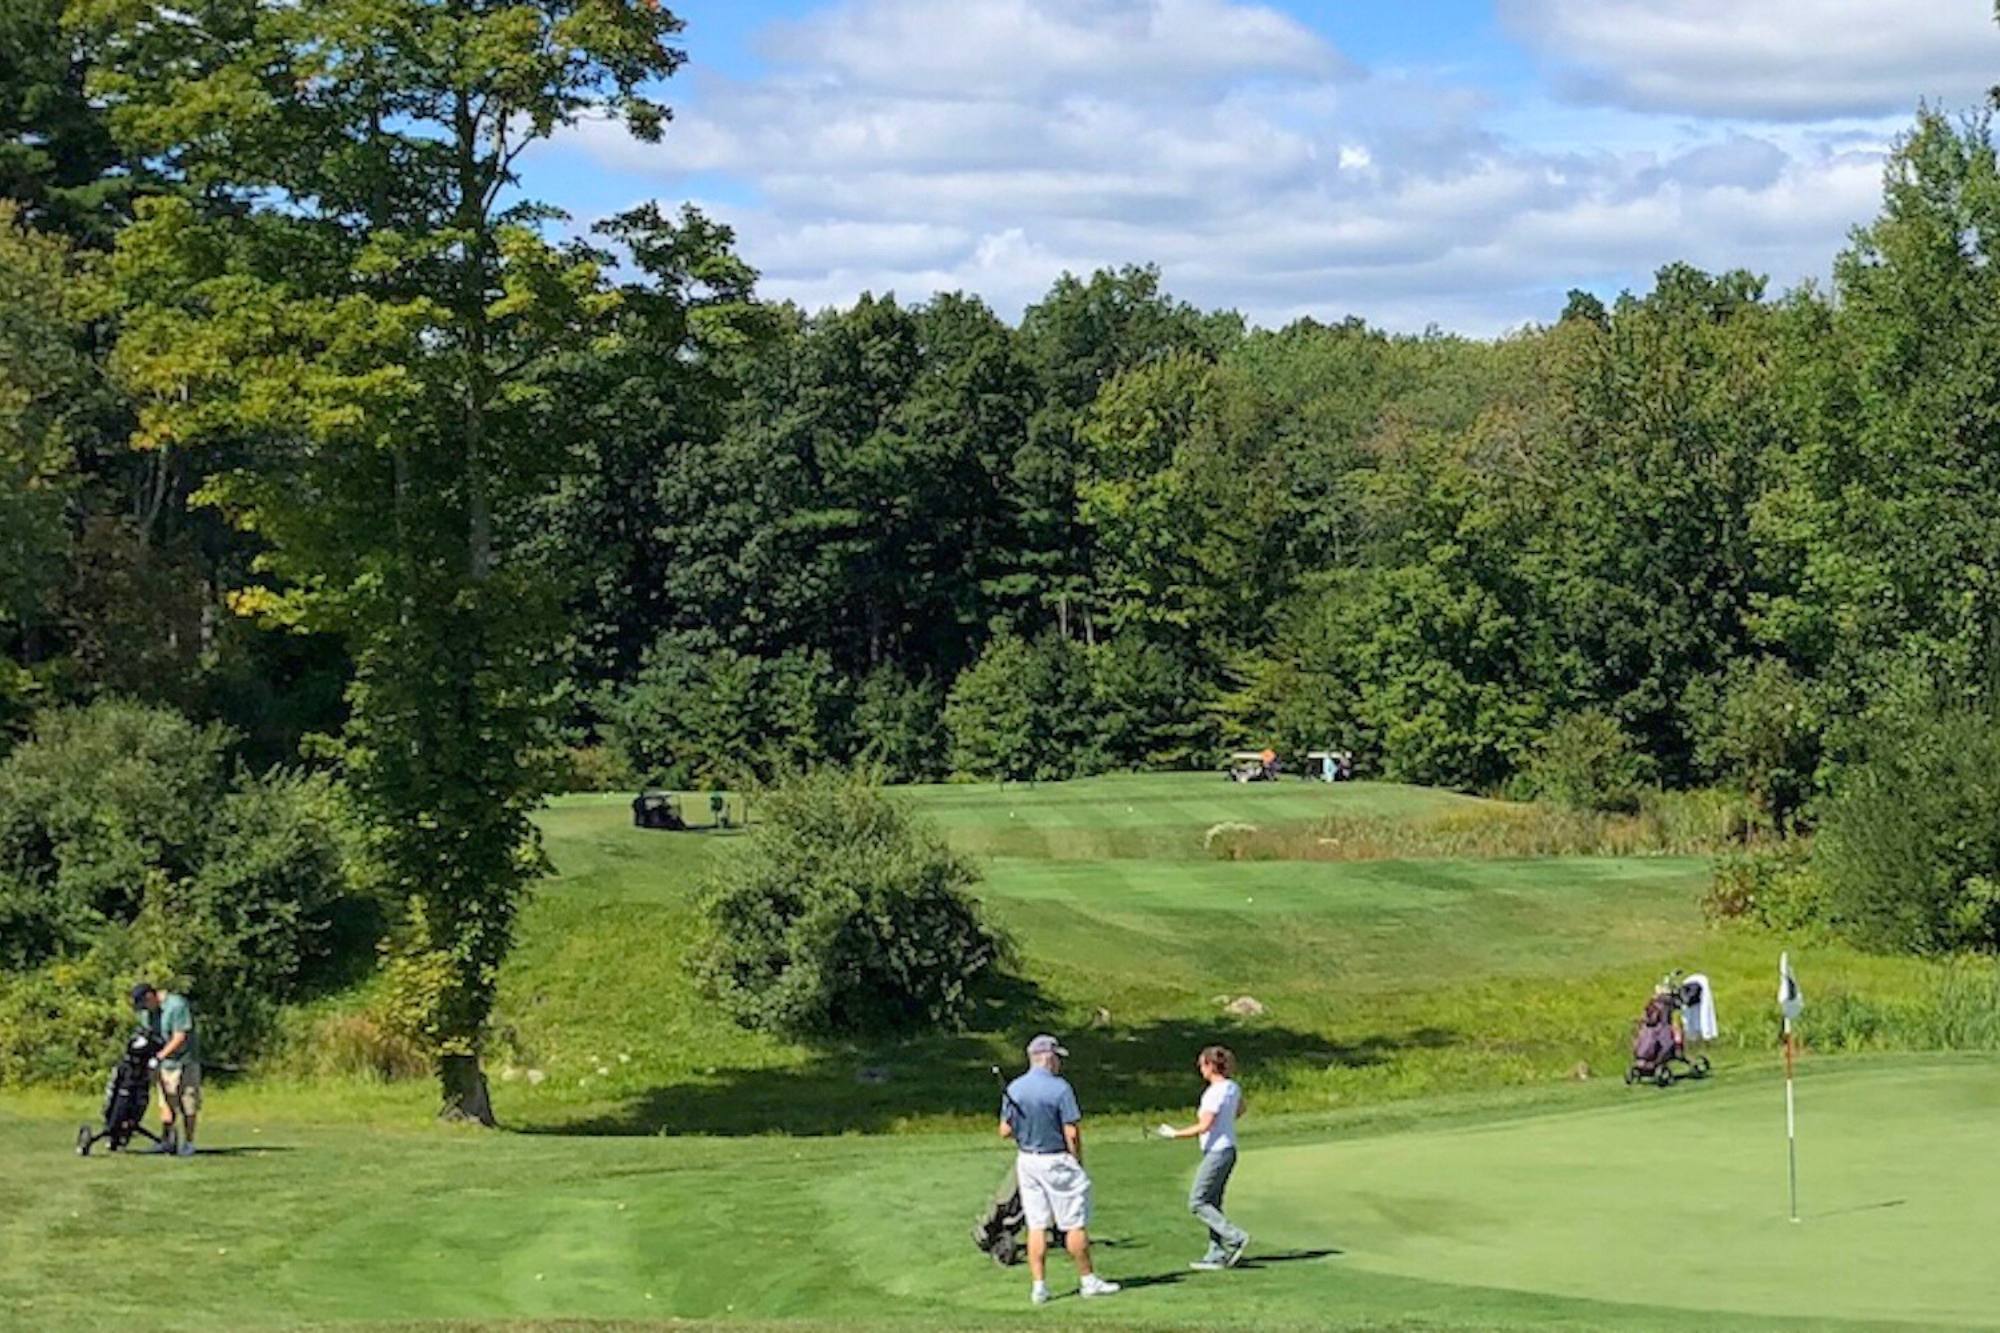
[[61, 1023], [274, 906], [1909, 839], [123, 847], [97, 805], [1586, 761], [844, 915], [1025, 711], [1774, 886], [360, 1045]]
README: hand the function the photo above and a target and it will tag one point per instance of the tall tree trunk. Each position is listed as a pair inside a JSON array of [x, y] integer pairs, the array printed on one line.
[[466, 1096]]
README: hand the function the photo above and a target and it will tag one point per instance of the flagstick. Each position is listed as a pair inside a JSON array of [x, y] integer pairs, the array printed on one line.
[[1791, 1123]]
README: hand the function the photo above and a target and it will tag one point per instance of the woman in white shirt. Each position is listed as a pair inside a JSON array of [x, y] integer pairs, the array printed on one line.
[[1221, 1106]]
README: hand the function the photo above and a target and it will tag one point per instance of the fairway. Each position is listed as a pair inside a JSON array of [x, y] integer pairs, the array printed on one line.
[[1648, 1209]]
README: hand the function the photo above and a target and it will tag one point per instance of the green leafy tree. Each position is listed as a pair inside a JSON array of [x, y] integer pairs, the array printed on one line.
[[1589, 762], [45, 383], [1077, 339], [1885, 520], [380, 319], [1909, 845], [1025, 710]]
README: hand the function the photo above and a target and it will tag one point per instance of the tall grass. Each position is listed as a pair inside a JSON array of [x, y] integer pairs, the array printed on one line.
[[1666, 824], [1956, 1009]]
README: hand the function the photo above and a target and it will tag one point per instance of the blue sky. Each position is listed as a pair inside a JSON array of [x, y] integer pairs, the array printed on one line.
[[1452, 162]]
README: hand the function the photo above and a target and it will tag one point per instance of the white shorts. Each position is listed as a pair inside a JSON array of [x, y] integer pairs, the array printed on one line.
[[1055, 1192]]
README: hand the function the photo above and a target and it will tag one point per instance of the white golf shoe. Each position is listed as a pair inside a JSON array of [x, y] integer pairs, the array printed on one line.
[[1039, 1293], [1093, 1285]]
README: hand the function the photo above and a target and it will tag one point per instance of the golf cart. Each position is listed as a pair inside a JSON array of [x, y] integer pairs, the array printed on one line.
[[656, 809], [1330, 765], [1253, 766]]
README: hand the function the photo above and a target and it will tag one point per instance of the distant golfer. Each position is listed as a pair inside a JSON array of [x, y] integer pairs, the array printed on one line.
[[1039, 1112], [1221, 1104], [178, 1065]]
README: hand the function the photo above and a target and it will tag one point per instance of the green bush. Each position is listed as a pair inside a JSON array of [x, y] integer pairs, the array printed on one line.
[[1587, 761], [124, 847], [274, 908], [844, 915], [1026, 711], [97, 805], [1774, 885], [1909, 838], [61, 1023]]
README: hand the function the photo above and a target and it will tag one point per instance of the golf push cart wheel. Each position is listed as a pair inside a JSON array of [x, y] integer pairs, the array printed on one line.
[[1631, 1077], [1700, 1067], [1665, 1077], [83, 1137]]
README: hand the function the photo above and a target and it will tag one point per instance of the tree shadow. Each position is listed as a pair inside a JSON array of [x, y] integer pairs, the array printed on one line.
[[861, 1088]]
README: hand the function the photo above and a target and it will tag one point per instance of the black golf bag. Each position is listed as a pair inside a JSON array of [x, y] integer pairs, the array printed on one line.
[[1001, 1231], [126, 1094]]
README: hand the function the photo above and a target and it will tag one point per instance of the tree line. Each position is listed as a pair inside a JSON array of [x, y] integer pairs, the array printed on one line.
[[313, 425]]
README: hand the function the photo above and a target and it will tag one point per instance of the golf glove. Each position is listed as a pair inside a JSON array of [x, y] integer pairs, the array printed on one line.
[[1164, 1131]]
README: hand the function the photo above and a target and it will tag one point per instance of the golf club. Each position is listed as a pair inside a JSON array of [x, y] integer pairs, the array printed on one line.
[[1005, 1095]]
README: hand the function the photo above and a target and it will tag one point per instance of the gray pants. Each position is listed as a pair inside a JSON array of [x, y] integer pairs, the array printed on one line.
[[1211, 1178]]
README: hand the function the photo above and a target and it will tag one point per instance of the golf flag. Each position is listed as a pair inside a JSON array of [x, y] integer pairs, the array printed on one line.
[[1789, 999], [1789, 1004]]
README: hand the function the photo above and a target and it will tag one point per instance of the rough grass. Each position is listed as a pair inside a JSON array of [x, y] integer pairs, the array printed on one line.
[[1667, 824]]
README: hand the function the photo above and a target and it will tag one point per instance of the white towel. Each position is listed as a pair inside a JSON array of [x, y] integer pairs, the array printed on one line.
[[1699, 1019]]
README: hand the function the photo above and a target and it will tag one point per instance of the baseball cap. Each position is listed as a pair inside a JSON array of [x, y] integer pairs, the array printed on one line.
[[1045, 1044], [140, 992]]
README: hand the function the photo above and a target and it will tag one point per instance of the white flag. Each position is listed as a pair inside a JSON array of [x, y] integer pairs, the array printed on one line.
[[1789, 999]]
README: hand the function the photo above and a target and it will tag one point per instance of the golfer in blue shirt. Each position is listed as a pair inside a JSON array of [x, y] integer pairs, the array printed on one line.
[[1039, 1112]]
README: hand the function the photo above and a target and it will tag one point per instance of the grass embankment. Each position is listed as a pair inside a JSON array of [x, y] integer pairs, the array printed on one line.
[[1379, 980]]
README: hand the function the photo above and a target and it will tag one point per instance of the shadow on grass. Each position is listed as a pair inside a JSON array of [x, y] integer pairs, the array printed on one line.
[[875, 1088], [1175, 1276]]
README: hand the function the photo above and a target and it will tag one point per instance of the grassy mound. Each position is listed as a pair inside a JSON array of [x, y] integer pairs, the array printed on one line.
[[1377, 979]]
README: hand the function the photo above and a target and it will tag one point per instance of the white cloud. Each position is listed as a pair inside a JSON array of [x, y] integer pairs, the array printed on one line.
[[1765, 59], [1007, 48], [1275, 178]]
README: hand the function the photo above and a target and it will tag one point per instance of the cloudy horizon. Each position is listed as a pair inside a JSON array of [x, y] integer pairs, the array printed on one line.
[[1458, 163]]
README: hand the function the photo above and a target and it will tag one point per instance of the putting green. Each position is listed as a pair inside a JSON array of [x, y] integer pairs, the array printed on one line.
[[1639, 1209], [1679, 1200]]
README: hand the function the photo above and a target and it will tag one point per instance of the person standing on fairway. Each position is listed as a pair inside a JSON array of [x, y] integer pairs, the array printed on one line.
[[1221, 1104], [1039, 1112], [177, 1067]]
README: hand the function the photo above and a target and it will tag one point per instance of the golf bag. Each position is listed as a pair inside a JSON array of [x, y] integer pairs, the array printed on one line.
[[1659, 1047], [1001, 1231], [126, 1094]]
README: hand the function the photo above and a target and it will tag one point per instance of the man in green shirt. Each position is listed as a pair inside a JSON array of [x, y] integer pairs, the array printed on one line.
[[178, 1064]]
